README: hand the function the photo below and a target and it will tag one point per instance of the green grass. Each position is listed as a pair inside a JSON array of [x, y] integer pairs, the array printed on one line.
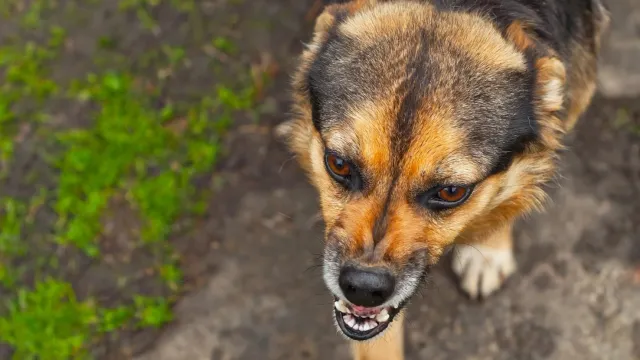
[[224, 44], [12, 213], [25, 86], [130, 148], [48, 322], [624, 121], [129, 140]]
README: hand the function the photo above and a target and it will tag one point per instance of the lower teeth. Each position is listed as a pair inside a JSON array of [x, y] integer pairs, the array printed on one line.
[[360, 324], [364, 322]]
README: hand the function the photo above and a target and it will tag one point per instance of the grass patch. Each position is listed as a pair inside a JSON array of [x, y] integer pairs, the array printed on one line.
[[624, 120], [151, 155], [136, 144], [12, 214], [25, 86], [48, 322]]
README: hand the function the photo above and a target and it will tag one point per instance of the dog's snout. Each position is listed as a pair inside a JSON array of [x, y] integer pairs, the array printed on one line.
[[366, 286]]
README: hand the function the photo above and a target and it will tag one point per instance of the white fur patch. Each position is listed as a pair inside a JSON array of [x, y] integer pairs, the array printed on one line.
[[482, 270], [553, 95]]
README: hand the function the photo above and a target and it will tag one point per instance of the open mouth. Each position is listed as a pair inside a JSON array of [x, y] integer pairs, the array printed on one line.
[[362, 323]]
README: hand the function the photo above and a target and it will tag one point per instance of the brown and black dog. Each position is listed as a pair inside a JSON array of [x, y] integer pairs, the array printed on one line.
[[427, 124]]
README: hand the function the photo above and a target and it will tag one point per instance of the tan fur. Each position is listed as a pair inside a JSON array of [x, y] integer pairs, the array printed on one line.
[[470, 33], [517, 34], [499, 237], [581, 84], [388, 346], [371, 133]]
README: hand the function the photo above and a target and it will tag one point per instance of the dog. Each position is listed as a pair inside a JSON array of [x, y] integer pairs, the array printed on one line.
[[430, 124]]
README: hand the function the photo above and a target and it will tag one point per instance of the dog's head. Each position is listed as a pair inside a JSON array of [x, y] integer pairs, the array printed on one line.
[[416, 126]]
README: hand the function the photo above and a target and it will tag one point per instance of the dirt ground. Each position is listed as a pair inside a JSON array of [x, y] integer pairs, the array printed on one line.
[[251, 263], [575, 295]]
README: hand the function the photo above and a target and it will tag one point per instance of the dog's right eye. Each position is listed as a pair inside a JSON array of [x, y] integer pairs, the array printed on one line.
[[342, 171]]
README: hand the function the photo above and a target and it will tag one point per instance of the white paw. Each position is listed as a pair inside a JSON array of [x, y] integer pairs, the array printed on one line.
[[482, 270]]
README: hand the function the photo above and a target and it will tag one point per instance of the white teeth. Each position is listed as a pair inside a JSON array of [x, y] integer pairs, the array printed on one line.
[[361, 323], [340, 305], [369, 325], [382, 316], [349, 320]]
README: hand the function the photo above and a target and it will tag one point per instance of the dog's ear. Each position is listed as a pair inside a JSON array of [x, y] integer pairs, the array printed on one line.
[[299, 132], [518, 34], [601, 21], [550, 99], [550, 71], [550, 81], [337, 11]]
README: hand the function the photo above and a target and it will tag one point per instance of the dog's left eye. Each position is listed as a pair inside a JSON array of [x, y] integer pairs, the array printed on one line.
[[452, 193], [445, 197]]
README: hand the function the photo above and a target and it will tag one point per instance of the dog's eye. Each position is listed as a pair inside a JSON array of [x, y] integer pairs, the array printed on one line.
[[452, 194], [337, 166], [445, 197], [343, 172]]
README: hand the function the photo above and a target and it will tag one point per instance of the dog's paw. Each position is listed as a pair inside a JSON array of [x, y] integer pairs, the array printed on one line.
[[482, 270]]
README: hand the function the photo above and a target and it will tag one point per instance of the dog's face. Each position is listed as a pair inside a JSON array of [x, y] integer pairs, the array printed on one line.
[[416, 127]]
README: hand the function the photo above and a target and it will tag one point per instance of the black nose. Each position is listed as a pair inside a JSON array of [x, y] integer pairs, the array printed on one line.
[[368, 287]]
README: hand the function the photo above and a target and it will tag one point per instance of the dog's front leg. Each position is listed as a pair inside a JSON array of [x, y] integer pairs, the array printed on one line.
[[484, 261], [388, 346]]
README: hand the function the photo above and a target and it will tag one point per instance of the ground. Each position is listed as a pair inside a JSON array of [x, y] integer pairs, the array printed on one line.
[[158, 218]]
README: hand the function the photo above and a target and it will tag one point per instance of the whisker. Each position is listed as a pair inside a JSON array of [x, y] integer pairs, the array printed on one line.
[[285, 162]]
